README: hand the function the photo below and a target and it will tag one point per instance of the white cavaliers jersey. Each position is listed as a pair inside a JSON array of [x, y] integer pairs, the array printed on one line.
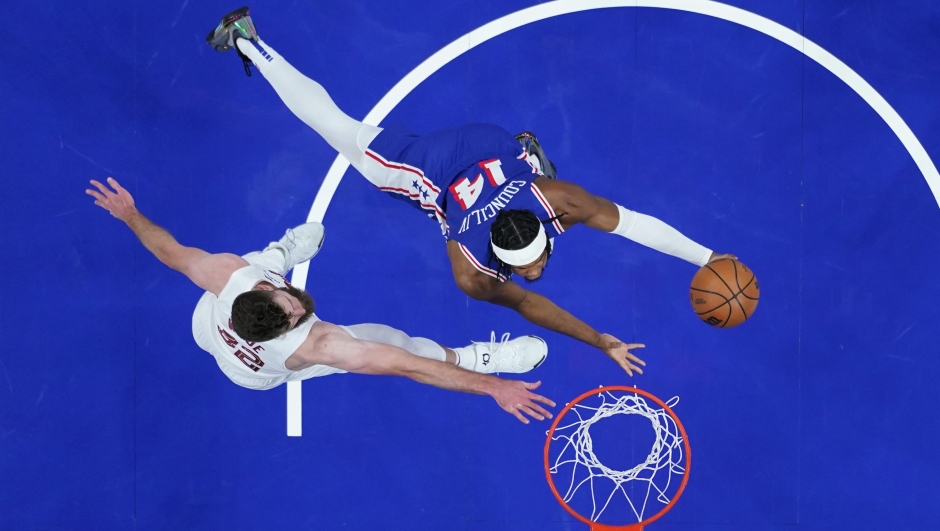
[[249, 364]]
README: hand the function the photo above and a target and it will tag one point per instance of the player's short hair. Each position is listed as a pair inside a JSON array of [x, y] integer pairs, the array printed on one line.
[[513, 230], [256, 317]]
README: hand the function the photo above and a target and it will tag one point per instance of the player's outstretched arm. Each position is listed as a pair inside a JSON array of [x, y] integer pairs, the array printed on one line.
[[208, 271], [596, 212], [538, 309], [330, 345]]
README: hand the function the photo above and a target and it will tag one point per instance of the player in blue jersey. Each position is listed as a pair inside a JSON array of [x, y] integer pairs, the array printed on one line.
[[497, 201]]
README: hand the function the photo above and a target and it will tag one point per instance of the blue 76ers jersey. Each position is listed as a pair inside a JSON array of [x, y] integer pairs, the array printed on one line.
[[462, 177]]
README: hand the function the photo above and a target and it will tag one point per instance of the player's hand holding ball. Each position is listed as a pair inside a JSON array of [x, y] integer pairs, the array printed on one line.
[[724, 293]]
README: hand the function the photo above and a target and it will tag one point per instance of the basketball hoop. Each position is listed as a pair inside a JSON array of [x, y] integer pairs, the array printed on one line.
[[638, 491]]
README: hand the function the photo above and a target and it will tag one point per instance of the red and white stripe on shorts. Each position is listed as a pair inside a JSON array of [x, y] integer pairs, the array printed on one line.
[[400, 178]]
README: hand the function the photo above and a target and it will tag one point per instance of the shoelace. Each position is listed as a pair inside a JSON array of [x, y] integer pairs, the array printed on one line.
[[291, 241], [494, 349], [246, 62]]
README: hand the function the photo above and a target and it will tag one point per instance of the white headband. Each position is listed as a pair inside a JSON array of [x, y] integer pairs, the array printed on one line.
[[524, 256]]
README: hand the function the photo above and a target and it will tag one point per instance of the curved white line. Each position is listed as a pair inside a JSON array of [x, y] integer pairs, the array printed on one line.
[[704, 7], [562, 7]]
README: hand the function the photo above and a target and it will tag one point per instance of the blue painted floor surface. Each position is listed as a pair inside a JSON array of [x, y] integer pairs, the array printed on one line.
[[818, 413]]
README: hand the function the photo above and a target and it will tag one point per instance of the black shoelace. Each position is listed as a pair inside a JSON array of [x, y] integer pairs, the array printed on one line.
[[246, 62]]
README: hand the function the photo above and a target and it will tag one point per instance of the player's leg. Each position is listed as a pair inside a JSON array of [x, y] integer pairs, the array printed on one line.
[[387, 335], [309, 101], [518, 355]]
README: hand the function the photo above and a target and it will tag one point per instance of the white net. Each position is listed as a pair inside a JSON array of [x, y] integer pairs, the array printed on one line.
[[657, 477]]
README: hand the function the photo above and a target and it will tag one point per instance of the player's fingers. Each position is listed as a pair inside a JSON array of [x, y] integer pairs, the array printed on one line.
[[101, 188], [126, 196], [542, 399], [531, 412], [625, 366], [635, 359], [540, 410], [637, 369], [113, 182], [631, 346], [532, 385], [519, 416], [96, 195]]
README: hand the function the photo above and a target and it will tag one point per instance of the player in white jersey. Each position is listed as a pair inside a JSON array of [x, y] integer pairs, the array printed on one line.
[[303, 346]]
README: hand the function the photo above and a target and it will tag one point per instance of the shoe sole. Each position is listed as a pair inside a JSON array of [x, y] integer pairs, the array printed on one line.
[[227, 20], [238, 14]]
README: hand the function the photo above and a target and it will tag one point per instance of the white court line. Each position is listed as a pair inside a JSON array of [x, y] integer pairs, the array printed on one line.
[[562, 7]]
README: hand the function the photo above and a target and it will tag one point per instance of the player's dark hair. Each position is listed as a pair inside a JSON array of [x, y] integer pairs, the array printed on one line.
[[256, 317], [513, 230]]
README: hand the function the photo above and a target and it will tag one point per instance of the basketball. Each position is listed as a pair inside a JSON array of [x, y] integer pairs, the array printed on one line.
[[724, 293]]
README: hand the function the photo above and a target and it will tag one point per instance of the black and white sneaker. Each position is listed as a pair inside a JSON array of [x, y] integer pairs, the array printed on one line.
[[235, 25], [531, 146], [519, 355]]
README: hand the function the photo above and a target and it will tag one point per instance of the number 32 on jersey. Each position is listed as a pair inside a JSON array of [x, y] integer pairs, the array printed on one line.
[[466, 192]]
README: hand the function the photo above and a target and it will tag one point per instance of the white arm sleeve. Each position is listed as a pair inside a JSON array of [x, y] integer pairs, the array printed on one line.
[[653, 233]]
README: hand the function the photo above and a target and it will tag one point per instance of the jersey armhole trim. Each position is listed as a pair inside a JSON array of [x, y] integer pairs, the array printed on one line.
[[548, 207], [480, 267]]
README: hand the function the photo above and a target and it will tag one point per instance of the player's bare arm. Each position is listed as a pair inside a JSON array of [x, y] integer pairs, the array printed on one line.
[[539, 310], [581, 206], [578, 205], [208, 271], [330, 345]]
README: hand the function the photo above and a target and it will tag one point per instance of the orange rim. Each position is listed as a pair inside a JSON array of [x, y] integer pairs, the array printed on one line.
[[685, 444]]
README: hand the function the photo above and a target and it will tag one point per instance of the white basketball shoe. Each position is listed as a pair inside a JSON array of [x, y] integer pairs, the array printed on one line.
[[300, 243], [518, 355]]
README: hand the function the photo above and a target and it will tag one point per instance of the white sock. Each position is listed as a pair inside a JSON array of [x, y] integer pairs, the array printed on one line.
[[466, 357]]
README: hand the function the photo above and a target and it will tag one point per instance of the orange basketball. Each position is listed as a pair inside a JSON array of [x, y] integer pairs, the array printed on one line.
[[724, 293]]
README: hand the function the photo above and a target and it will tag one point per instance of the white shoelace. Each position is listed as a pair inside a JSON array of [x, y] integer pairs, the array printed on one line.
[[494, 349], [291, 242]]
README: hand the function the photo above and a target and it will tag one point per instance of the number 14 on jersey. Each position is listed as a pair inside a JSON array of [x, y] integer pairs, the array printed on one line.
[[466, 192]]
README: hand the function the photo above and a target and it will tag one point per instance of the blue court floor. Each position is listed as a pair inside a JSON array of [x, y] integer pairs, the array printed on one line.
[[818, 413]]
